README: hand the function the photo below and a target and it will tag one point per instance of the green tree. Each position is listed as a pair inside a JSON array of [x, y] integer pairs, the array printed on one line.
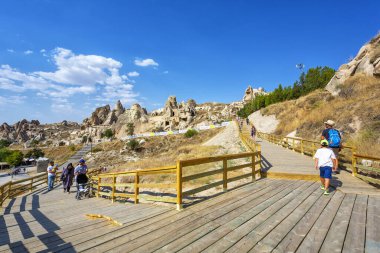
[[15, 158], [133, 145]]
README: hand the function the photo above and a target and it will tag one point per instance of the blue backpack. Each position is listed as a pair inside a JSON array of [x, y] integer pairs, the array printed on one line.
[[334, 138]]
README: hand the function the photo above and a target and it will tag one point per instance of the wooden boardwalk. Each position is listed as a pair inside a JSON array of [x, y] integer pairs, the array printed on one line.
[[283, 163], [270, 215]]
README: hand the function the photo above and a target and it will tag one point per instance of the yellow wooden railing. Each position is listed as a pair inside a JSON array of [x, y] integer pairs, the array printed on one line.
[[347, 157], [12, 189], [128, 184]]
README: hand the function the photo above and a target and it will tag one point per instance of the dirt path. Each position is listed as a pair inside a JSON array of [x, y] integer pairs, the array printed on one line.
[[228, 140]]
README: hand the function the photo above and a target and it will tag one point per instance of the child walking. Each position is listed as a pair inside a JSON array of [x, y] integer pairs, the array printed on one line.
[[326, 162]]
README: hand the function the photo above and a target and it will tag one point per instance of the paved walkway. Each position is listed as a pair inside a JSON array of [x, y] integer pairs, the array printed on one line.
[[269, 215]]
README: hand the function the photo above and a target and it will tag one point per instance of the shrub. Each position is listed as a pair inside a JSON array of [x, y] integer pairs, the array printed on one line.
[[190, 133], [61, 143], [84, 139], [96, 149], [72, 148], [34, 143], [133, 145], [130, 128], [35, 153], [108, 133], [4, 143]]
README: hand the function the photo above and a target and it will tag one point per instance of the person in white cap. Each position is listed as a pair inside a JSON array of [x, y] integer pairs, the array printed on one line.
[[333, 137]]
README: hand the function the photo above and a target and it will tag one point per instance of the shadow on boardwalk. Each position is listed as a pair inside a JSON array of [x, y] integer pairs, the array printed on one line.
[[50, 239]]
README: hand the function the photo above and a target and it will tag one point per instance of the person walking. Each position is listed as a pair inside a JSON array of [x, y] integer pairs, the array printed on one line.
[[247, 121], [51, 170], [334, 139], [326, 162], [67, 177], [253, 132], [80, 175]]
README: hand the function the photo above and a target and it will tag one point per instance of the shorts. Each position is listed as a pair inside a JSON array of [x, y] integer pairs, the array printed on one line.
[[336, 152], [325, 172]]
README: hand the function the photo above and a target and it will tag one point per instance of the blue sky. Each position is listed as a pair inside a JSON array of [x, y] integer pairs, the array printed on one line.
[[60, 59]]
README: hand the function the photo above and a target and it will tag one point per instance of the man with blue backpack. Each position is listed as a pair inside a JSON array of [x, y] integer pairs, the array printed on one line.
[[334, 138]]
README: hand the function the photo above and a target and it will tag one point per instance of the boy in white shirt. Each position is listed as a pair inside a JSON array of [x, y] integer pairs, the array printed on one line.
[[326, 162]]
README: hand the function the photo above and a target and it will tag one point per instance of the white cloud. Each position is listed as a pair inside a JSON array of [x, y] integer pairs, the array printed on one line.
[[42, 51], [74, 74], [166, 72], [145, 62], [10, 50], [133, 74], [12, 100], [28, 52]]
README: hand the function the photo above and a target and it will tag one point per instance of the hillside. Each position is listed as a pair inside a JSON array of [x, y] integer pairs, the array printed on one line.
[[351, 99]]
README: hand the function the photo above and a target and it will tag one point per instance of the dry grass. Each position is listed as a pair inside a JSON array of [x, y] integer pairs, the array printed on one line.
[[357, 104], [61, 154], [155, 152]]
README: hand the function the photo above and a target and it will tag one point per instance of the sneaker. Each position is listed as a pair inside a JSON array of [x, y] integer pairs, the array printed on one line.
[[322, 187], [326, 193]]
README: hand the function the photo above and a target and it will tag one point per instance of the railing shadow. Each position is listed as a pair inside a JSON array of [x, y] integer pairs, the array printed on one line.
[[265, 164], [51, 240]]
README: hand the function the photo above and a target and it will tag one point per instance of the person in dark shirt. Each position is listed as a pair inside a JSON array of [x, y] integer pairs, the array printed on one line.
[[333, 137]]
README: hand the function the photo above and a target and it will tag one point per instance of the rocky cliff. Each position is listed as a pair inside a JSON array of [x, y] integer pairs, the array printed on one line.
[[366, 62]]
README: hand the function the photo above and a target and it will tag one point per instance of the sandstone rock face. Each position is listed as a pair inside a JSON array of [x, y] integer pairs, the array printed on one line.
[[367, 61], [26, 132], [176, 115], [251, 93]]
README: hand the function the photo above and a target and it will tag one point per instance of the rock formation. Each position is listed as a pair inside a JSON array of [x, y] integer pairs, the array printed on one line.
[[251, 93], [367, 61]]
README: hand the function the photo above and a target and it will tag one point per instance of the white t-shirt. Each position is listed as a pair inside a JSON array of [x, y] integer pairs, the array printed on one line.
[[324, 156]]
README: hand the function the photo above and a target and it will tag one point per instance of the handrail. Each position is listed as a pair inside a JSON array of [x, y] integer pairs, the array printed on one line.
[[17, 187], [111, 185], [304, 148]]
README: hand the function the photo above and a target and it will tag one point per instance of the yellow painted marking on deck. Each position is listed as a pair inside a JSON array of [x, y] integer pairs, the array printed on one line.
[[100, 216], [292, 176]]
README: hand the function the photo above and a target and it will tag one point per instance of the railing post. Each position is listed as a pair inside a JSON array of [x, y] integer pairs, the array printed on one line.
[[302, 146], [179, 185], [9, 189], [31, 185], [1, 195], [98, 186], [354, 169], [253, 167], [224, 174], [137, 181], [294, 147], [113, 188]]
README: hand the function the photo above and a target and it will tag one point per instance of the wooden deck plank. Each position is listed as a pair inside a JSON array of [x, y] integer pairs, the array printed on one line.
[[185, 217], [355, 238], [372, 242], [51, 240], [232, 230], [337, 231], [103, 243], [296, 234], [317, 234], [259, 232], [270, 241], [204, 225]]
